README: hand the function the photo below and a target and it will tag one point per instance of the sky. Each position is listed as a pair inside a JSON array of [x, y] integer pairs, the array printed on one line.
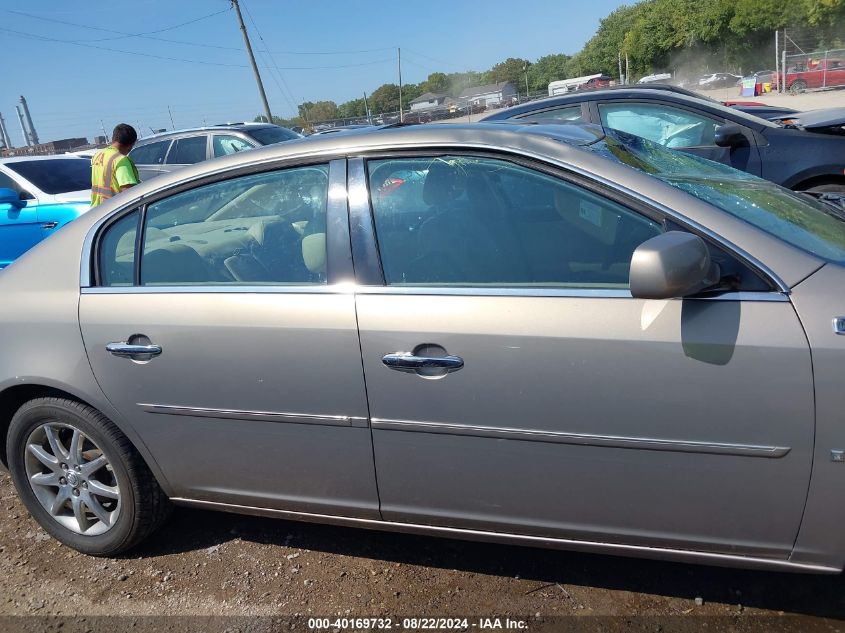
[[56, 54]]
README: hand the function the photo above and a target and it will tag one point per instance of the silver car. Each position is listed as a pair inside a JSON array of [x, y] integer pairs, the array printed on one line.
[[545, 335]]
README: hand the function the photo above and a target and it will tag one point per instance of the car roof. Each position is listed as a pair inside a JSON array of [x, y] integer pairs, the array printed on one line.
[[680, 97], [238, 127], [21, 159]]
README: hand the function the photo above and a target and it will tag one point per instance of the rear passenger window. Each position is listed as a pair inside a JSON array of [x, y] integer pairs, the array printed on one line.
[[465, 221], [187, 151], [264, 229], [150, 154], [117, 252]]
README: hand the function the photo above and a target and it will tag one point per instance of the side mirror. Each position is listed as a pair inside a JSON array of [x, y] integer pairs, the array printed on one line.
[[674, 264], [730, 135], [12, 198]]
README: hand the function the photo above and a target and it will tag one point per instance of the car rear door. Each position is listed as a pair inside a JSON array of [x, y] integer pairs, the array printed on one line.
[[516, 386], [678, 127], [149, 158], [187, 150], [228, 345]]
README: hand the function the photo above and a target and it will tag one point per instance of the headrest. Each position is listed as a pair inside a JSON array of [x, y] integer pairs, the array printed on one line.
[[442, 183], [314, 252]]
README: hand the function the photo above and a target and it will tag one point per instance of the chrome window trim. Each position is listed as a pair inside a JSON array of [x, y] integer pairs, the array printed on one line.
[[334, 289], [583, 439], [344, 288], [587, 293], [261, 416], [327, 154]]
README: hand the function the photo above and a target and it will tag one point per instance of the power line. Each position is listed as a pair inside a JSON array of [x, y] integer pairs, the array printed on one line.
[[433, 59], [148, 36], [121, 33], [24, 35], [44, 38]]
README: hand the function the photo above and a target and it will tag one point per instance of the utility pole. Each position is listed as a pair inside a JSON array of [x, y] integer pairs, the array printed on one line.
[[401, 113], [367, 109], [105, 134], [252, 61], [619, 61], [172, 124], [525, 70], [627, 70], [777, 59]]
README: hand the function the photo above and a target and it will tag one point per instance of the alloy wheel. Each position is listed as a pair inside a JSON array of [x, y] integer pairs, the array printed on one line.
[[72, 478]]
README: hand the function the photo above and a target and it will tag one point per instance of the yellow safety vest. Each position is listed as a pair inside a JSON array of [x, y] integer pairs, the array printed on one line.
[[103, 183]]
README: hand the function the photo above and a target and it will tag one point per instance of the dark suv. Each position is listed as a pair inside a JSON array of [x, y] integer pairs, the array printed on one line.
[[162, 153]]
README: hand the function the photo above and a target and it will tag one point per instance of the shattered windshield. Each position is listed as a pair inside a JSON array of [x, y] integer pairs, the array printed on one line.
[[796, 219]]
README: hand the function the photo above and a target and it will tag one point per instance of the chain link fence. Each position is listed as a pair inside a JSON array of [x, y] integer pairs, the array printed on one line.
[[817, 70]]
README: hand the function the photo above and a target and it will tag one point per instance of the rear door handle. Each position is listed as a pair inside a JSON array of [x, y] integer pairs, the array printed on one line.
[[135, 352], [407, 361], [49, 225]]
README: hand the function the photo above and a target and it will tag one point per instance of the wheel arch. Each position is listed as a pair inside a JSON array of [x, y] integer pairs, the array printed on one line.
[[815, 181], [13, 397]]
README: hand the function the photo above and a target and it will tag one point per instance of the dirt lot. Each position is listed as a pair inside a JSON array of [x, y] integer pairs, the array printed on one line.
[[204, 563]]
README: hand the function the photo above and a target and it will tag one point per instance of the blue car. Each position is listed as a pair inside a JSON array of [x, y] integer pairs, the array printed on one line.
[[39, 195]]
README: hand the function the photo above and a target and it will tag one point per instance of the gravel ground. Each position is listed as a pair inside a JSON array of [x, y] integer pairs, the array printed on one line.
[[204, 563]]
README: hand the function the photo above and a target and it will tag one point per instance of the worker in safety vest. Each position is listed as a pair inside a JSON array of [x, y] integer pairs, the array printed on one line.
[[112, 170]]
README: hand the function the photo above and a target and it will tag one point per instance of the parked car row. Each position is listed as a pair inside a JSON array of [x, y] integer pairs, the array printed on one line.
[[163, 153], [799, 157]]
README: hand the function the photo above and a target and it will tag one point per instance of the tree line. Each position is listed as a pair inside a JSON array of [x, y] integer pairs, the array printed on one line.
[[685, 37]]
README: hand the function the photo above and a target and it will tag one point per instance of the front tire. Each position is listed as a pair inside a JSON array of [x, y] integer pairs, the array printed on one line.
[[799, 85], [81, 478]]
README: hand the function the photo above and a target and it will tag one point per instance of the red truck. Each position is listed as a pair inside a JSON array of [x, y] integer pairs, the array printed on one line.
[[814, 73]]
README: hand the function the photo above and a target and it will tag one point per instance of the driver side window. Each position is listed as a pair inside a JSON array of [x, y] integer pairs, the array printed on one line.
[[663, 124]]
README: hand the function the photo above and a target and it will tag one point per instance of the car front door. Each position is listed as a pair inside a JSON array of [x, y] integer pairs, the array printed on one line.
[[220, 336], [516, 386], [679, 128]]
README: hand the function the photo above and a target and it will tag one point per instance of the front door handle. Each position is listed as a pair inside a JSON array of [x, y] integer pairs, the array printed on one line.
[[408, 361], [135, 352], [49, 225]]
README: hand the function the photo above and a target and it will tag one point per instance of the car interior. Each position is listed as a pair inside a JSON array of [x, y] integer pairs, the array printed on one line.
[[463, 221]]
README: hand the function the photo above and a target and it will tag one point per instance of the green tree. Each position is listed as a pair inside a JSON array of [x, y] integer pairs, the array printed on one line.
[[351, 109], [437, 83], [385, 98], [546, 70], [512, 70], [318, 111]]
